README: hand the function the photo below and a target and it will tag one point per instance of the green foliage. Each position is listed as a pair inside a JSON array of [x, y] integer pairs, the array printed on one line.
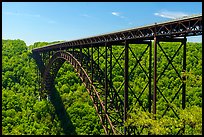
[[147, 124], [23, 114]]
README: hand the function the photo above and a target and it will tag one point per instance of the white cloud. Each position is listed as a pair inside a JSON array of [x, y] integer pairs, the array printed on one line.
[[118, 14], [115, 13], [170, 14]]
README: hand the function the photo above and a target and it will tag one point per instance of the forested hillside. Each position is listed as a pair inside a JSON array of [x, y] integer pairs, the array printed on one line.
[[22, 113], [73, 112]]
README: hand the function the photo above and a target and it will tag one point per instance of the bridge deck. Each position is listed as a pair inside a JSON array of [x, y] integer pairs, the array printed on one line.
[[187, 26]]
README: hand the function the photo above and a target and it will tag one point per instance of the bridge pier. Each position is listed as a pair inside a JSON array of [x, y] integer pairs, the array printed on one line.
[[137, 95], [126, 84], [170, 60], [155, 76], [150, 76]]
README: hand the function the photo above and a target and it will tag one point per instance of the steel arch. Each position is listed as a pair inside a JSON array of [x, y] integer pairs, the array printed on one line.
[[49, 75]]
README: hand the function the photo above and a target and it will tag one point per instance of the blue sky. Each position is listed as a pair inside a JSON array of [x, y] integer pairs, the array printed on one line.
[[52, 21]]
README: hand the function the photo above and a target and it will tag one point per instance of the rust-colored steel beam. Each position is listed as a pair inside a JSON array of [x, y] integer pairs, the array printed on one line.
[[150, 75], [106, 79], [184, 75], [188, 26], [126, 84], [155, 75]]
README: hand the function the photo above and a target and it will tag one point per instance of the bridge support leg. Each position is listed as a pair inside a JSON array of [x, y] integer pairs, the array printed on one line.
[[126, 84], [184, 77], [81, 56], [91, 69], [40, 65], [181, 77], [155, 76], [106, 83], [111, 68], [38, 86], [73, 51], [98, 61], [150, 75], [134, 130], [88, 61]]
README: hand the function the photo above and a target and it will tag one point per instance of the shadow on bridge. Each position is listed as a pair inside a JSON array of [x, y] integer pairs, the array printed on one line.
[[64, 118]]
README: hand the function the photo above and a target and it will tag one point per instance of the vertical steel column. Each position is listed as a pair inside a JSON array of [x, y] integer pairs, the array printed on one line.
[[110, 79], [184, 78], [43, 58], [126, 84], [155, 75], [37, 80], [46, 58], [40, 74], [150, 75], [106, 82], [98, 64], [72, 51], [98, 77], [88, 61], [91, 68], [49, 55], [40, 80], [81, 56]]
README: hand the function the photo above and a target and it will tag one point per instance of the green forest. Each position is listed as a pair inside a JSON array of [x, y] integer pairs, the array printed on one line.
[[24, 114]]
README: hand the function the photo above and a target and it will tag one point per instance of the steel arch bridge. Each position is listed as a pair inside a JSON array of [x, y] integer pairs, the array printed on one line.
[[86, 55]]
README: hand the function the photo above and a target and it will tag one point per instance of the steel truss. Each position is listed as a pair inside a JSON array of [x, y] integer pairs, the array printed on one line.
[[111, 103], [181, 75]]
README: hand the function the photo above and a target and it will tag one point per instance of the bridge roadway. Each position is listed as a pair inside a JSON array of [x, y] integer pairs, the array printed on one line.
[[112, 105], [188, 26]]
